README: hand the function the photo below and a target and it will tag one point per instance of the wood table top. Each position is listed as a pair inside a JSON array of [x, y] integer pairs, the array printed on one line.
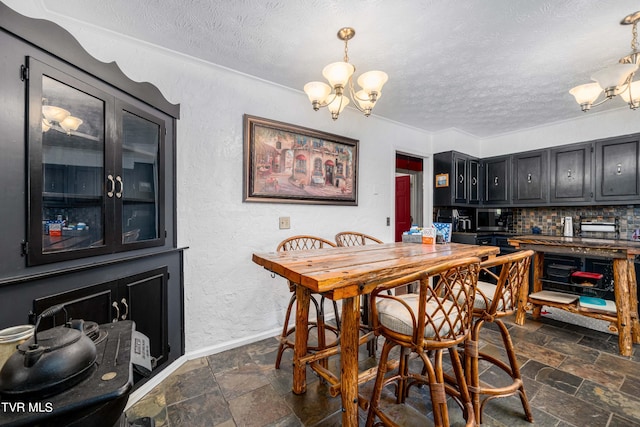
[[347, 271], [608, 245]]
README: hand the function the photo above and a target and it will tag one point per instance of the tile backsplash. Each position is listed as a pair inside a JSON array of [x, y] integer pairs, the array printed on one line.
[[549, 219]]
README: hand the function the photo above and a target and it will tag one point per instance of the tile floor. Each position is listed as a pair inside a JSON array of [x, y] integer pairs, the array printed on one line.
[[573, 377]]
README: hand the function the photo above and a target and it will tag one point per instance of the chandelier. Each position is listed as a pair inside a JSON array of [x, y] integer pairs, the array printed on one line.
[[616, 79], [340, 77]]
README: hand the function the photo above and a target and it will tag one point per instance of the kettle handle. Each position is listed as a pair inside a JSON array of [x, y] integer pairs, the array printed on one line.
[[51, 311]]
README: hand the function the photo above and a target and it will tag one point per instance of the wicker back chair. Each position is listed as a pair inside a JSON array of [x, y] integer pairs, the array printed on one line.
[[438, 318], [494, 301], [305, 242], [354, 238]]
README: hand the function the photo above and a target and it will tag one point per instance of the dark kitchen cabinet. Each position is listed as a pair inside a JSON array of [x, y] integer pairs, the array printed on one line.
[[617, 166], [141, 298], [473, 177], [496, 180], [530, 177], [570, 173], [461, 186]]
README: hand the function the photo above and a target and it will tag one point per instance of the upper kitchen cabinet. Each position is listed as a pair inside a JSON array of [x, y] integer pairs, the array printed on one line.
[[571, 174], [530, 177], [96, 183], [457, 179], [617, 166], [496, 180]]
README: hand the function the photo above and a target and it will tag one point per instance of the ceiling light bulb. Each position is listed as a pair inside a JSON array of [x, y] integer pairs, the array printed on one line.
[[317, 93], [634, 88], [372, 81], [70, 123], [586, 94], [54, 114], [337, 105], [362, 98], [338, 73], [613, 76]]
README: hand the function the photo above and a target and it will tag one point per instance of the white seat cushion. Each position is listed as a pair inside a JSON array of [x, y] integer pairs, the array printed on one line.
[[395, 316]]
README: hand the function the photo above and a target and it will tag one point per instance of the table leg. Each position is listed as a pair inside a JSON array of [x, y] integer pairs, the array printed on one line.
[[538, 271], [303, 299], [633, 306], [622, 295], [349, 337]]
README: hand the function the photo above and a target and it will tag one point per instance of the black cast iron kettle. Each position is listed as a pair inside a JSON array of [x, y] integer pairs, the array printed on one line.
[[50, 362]]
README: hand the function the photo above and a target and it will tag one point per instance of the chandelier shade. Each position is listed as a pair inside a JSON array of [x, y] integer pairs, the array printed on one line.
[[341, 91], [338, 73], [632, 95], [616, 79]]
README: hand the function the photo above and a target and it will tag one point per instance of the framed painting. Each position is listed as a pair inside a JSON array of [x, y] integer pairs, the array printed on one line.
[[285, 163], [442, 180]]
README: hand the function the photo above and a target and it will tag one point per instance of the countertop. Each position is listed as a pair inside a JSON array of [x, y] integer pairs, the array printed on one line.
[[583, 243]]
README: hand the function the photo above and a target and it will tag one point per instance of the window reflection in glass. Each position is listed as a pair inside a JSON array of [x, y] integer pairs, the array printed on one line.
[[141, 143], [72, 168]]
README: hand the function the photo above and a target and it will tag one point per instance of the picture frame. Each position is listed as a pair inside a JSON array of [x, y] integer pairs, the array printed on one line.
[[285, 163], [442, 180]]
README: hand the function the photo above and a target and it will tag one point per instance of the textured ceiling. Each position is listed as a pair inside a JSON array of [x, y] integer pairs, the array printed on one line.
[[484, 67]]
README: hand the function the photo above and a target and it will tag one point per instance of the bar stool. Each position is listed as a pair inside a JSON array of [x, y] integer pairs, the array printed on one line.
[[354, 238], [493, 302], [438, 318], [300, 243]]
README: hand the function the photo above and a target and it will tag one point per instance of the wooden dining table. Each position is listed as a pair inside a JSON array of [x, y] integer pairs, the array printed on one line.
[[346, 274]]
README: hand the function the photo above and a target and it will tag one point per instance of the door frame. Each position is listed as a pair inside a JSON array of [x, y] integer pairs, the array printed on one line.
[[426, 205]]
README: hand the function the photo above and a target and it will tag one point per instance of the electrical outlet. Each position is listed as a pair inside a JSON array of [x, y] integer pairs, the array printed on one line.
[[284, 222]]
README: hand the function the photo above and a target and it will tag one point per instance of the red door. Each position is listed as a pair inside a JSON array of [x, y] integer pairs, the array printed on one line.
[[403, 205]]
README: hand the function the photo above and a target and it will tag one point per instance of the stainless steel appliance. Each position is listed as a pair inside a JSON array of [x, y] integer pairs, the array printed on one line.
[[493, 219]]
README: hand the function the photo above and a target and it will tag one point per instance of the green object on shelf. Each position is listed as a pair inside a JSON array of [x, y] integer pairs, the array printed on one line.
[[592, 300]]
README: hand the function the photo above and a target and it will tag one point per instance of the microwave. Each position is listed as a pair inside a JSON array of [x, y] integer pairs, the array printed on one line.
[[493, 219]]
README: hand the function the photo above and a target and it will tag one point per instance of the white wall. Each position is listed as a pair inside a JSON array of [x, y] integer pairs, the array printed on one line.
[[592, 125], [228, 298]]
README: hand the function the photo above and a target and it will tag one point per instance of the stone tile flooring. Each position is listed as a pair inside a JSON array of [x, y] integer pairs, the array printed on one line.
[[573, 377]]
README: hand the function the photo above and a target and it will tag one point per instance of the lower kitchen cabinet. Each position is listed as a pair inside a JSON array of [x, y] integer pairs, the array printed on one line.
[[141, 298]]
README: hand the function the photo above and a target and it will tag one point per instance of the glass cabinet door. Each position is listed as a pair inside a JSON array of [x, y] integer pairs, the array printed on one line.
[[67, 154], [141, 193], [95, 168]]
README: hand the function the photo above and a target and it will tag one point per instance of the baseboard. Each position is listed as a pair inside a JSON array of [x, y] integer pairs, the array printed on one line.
[[140, 392]]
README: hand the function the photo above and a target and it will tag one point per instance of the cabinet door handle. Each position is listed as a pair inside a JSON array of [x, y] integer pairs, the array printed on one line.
[[119, 181], [126, 313], [460, 178], [110, 192], [619, 169], [529, 178], [115, 305], [495, 180], [474, 181], [569, 173]]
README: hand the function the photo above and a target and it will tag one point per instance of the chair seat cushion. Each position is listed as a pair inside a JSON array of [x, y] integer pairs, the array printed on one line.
[[485, 293], [393, 315]]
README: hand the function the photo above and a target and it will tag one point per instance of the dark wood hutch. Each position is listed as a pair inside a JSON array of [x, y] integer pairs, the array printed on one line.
[[88, 199]]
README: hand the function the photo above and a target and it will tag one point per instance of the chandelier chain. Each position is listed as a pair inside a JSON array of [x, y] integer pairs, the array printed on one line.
[[346, 49], [634, 40]]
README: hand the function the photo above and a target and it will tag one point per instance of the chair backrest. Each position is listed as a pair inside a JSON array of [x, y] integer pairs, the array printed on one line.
[[296, 243], [512, 275], [354, 238], [443, 312]]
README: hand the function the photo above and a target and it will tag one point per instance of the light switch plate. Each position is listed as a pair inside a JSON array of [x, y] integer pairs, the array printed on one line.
[[284, 222]]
